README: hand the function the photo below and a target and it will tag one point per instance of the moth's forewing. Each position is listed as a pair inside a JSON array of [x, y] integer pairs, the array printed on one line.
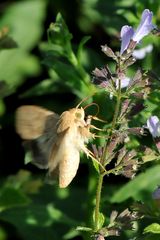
[[65, 153], [65, 121], [31, 121], [68, 167], [38, 127]]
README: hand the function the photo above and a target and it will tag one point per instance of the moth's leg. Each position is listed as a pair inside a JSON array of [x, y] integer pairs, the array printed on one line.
[[100, 129], [99, 119], [90, 154], [99, 136]]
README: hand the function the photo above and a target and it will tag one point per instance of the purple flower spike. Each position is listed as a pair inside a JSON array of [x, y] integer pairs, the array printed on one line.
[[126, 35], [153, 125], [145, 26]]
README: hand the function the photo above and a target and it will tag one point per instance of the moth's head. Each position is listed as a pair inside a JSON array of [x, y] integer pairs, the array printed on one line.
[[79, 113]]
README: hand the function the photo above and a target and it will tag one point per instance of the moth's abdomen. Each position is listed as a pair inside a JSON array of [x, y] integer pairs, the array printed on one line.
[[68, 168]]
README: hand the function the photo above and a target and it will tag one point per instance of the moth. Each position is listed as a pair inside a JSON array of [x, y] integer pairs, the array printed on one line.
[[55, 141]]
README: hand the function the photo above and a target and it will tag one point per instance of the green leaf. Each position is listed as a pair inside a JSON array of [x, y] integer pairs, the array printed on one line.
[[69, 76], [83, 229], [10, 198], [101, 219], [153, 228], [71, 234], [28, 157], [149, 155], [15, 64], [146, 181], [3, 234], [96, 165], [60, 37], [25, 28], [80, 48], [7, 43]]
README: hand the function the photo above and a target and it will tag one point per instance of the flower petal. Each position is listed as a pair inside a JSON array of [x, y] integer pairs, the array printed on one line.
[[153, 125], [126, 35], [145, 26], [141, 53], [124, 82]]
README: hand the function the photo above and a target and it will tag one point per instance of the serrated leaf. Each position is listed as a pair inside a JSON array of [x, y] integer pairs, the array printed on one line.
[[149, 155], [101, 219], [153, 228], [60, 37], [144, 181]]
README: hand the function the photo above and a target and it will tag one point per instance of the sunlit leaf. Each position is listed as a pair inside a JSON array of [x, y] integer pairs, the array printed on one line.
[[25, 28], [153, 228], [146, 181]]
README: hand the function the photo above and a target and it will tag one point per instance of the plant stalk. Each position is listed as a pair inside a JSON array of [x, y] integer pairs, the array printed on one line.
[[98, 199], [104, 161]]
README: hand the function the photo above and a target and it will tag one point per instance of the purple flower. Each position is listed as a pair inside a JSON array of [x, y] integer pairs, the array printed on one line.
[[142, 52], [144, 28], [124, 82], [126, 35], [153, 125]]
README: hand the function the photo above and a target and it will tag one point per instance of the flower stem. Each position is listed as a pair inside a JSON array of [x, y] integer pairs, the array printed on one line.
[[98, 199], [103, 160], [117, 107]]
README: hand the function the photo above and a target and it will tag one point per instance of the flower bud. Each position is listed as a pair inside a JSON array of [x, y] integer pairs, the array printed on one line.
[[108, 51]]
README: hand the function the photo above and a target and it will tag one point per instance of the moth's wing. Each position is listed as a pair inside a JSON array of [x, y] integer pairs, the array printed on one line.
[[38, 127], [68, 167], [66, 154], [32, 121], [73, 143], [65, 121], [41, 148]]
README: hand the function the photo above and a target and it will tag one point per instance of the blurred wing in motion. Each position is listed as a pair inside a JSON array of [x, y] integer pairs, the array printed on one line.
[[33, 121], [37, 126]]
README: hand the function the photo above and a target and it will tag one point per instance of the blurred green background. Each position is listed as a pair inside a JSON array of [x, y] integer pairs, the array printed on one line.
[[53, 69]]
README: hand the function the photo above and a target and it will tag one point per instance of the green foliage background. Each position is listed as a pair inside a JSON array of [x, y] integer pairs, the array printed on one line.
[[56, 74]]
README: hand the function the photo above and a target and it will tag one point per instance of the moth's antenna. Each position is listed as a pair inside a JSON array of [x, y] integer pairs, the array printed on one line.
[[91, 105], [94, 117], [83, 100]]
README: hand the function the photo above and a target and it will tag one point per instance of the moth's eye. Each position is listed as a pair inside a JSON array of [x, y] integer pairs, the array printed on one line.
[[78, 115]]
